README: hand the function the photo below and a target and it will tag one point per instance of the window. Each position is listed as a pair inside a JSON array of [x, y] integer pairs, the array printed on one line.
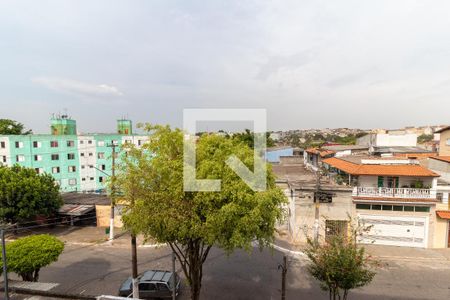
[[448, 142], [55, 170], [421, 209], [71, 156], [162, 286], [20, 158], [82, 154], [83, 166], [70, 143], [39, 170], [72, 181], [128, 141], [147, 286], [101, 155], [83, 179], [392, 182], [37, 157], [91, 178], [2, 145], [54, 144], [101, 143], [397, 208], [19, 144], [55, 156], [139, 142], [72, 169], [376, 207], [36, 144], [81, 142], [4, 158], [362, 206], [90, 154], [387, 207], [103, 167], [408, 208], [100, 179], [89, 142]]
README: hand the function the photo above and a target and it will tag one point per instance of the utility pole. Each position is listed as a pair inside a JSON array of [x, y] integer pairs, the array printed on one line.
[[5, 268], [174, 280], [134, 266], [317, 207], [283, 268], [113, 145]]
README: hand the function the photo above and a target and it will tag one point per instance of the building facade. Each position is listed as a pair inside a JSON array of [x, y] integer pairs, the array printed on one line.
[[78, 162]]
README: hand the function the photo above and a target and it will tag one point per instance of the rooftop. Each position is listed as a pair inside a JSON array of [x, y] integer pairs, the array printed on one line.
[[85, 199], [442, 158]]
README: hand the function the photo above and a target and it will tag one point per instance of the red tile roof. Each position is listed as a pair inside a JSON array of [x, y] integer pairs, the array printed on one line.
[[381, 170], [443, 214], [442, 158]]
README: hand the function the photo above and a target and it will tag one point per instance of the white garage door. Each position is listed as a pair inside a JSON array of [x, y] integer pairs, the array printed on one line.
[[396, 231]]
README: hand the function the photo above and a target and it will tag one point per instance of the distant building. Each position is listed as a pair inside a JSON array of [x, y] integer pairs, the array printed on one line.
[[78, 162], [389, 139]]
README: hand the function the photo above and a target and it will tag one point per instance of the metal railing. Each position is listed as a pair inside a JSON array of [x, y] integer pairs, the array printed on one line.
[[393, 192]]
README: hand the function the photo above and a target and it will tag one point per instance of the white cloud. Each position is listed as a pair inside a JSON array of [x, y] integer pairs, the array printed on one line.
[[77, 87]]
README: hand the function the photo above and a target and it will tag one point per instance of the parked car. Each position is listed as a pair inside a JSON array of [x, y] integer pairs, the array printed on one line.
[[152, 284]]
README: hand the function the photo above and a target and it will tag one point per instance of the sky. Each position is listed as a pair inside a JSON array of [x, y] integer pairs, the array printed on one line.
[[310, 64]]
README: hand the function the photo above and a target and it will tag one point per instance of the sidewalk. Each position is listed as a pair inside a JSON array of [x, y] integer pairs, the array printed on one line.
[[83, 235]]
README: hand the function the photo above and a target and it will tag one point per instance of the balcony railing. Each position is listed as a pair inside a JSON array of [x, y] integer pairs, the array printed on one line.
[[393, 192]]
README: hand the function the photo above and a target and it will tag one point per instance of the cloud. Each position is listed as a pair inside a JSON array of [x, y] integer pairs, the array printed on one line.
[[71, 86]]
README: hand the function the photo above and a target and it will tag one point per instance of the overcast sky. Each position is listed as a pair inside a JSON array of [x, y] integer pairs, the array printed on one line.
[[311, 64]]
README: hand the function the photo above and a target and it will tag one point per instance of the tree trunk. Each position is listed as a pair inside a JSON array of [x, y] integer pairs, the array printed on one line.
[[36, 275], [195, 270]]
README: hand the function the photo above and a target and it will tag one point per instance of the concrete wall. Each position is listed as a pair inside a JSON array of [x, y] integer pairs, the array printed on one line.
[[388, 140], [440, 167], [339, 209], [273, 156], [444, 144], [104, 214], [441, 229]]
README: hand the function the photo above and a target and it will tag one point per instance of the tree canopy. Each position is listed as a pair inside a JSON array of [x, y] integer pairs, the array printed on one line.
[[340, 264], [192, 222], [8, 126], [25, 194], [26, 256]]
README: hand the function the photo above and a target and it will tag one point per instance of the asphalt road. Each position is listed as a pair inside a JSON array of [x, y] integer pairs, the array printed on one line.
[[100, 269]]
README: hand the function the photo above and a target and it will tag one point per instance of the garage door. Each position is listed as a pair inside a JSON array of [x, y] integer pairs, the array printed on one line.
[[396, 231]]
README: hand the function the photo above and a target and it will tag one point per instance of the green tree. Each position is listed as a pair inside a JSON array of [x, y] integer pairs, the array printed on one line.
[[25, 194], [8, 126], [423, 138], [193, 222], [340, 264], [26, 256], [247, 137]]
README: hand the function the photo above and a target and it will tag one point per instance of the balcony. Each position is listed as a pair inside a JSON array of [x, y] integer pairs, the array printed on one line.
[[385, 192]]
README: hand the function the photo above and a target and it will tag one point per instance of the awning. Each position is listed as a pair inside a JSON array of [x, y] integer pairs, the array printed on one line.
[[443, 214], [75, 209]]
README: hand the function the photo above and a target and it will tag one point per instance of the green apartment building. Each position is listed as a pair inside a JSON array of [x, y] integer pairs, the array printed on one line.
[[78, 162]]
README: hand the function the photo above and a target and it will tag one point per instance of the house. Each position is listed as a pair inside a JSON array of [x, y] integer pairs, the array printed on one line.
[[391, 138], [397, 197], [332, 209], [313, 156]]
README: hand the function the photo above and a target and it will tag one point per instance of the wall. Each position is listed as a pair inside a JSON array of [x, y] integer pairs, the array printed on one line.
[[372, 181], [273, 156], [339, 209], [440, 167], [104, 214], [388, 140], [444, 144]]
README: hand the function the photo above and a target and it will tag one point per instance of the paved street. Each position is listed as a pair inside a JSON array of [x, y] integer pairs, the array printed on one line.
[[99, 269]]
